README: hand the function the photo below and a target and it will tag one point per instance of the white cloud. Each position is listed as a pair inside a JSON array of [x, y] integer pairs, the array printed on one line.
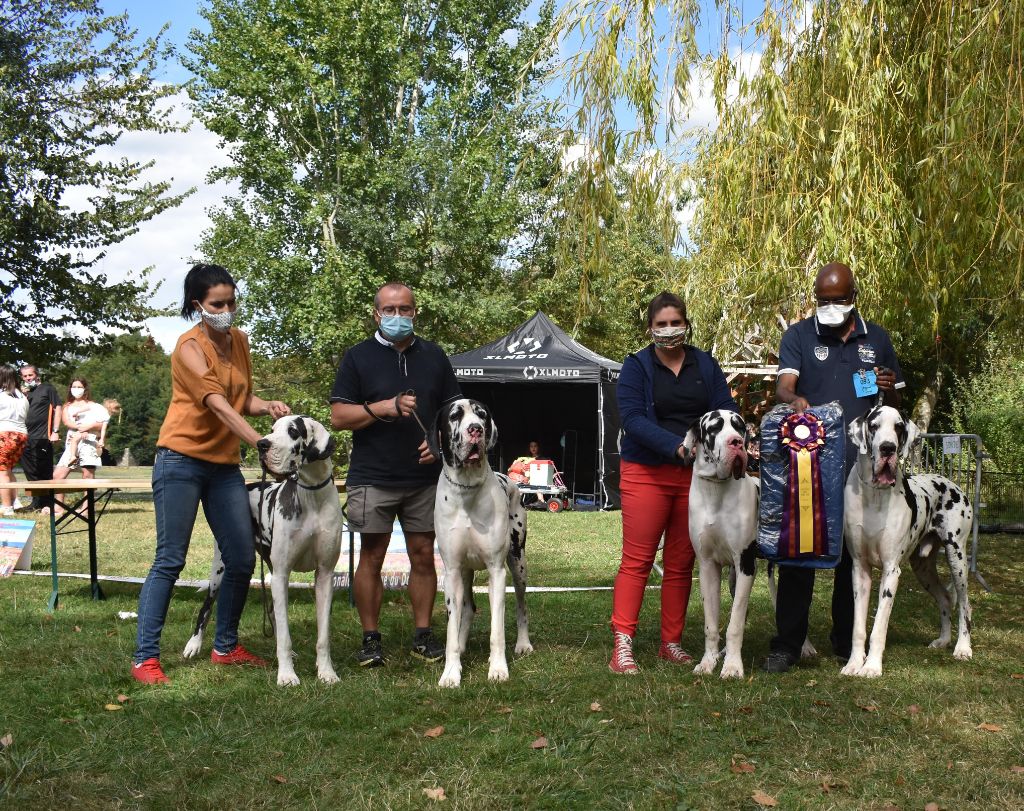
[[168, 241]]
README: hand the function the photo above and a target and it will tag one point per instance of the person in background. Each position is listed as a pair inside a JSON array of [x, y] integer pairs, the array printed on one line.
[[198, 462], [382, 382], [83, 443], [13, 433], [44, 410], [662, 390]]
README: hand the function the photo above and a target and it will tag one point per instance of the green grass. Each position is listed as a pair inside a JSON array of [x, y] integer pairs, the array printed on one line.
[[230, 738]]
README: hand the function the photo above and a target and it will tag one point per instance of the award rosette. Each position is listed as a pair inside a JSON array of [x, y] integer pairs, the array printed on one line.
[[802, 478]]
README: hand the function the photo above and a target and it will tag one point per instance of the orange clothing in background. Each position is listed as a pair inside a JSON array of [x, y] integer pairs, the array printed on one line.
[[192, 429]]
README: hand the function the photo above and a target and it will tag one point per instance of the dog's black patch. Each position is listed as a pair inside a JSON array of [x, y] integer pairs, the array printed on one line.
[[954, 496], [908, 494], [297, 428], [515, 546], [288, 499], [939, 486], [887, 595], [748, 559]]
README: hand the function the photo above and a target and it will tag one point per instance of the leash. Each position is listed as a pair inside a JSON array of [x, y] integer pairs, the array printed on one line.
[[426, 434], [267, 620], [460, 484]]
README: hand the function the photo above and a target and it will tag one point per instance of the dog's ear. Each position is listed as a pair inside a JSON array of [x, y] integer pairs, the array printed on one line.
[[441, 430], [911, 436], [858, 434], [328, 450], [492, 431]]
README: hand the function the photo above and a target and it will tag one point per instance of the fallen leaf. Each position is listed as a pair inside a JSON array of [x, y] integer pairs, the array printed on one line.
[[747, 710], [6, 740], [761, 798], [931, 807], [900, 780], [826, 786], [112, 707], [78, 629], [504, 710], [990, 727], [1014, 769], [595, 707], [436, 794], [716, 714], [811, 683], [949, 765], [540, 743], [913, 709], [434, 732], [279, 778], [868, 707], [741, 768], [1017, 675], [819, 703], [605, 721], [122, 698]]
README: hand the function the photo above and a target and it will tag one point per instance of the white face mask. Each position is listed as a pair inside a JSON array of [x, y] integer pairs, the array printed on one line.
[[77, 392], [833, 315], [218, 321]]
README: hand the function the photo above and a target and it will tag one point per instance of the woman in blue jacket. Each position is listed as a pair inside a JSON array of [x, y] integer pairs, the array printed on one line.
[[662, 390]]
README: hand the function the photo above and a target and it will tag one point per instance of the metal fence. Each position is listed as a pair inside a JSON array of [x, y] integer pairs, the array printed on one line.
[[1002, 502]]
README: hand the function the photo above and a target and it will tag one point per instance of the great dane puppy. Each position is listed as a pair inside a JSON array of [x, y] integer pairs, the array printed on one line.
[[297, 527], [481, 524], [723, 529], [891, 517]]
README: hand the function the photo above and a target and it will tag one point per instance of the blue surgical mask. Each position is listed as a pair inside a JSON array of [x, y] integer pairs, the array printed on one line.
[[395, 327]]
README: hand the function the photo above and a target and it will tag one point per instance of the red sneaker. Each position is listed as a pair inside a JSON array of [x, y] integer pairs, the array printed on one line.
[[149, 672], [622, 655], [673, 652], [239, 656]]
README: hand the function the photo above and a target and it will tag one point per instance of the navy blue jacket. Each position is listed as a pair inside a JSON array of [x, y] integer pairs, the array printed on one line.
[[643, 440]]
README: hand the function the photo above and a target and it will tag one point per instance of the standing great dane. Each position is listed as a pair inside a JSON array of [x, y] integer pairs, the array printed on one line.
[[891, 517], [481, 524], [296, 527], [723, 529]]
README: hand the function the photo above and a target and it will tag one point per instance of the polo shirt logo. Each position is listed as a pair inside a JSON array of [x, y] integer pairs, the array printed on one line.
[[866, 353], [821, 352]]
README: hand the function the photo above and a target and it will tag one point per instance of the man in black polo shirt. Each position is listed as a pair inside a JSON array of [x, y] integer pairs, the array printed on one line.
[[818, 360], [380, 384], [43, 422]]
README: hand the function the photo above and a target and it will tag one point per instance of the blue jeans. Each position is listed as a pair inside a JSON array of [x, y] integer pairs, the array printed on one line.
[[180, 484]]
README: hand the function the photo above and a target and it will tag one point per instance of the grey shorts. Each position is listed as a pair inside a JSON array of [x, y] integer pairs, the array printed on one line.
[[373, 509]]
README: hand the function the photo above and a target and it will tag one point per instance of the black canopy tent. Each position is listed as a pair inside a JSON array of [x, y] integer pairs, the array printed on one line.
[[542, 385]]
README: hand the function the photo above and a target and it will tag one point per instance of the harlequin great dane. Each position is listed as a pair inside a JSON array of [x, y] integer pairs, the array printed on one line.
[[891, 517], [723, 531], [481, 524], [296, 527]]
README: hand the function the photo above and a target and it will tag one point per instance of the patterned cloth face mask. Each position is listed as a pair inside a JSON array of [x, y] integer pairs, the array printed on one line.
[[669, 337], [218, 321]]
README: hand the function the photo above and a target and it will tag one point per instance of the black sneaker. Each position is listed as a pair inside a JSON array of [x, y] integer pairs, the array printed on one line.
[[371, 654], [778, 662], [427, 647]]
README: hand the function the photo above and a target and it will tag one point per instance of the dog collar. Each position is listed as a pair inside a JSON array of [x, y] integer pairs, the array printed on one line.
[[460, 484], [324, 483]]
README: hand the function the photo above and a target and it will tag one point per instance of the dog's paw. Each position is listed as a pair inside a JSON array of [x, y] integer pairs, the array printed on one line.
[[732, 670], [287, 679], [523, 648], [193, 647], [963, 653], [328, 676], [706, 666], [941, 642], [498, 672], [870, 670], [851, 669], [452, 677]]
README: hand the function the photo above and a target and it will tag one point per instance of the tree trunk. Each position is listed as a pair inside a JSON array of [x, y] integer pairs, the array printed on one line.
[[924, 408]]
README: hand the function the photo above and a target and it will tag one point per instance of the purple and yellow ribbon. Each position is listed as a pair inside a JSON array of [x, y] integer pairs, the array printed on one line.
[[804, 530]]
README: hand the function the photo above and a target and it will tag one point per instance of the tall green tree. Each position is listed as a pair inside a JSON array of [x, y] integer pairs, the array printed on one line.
[[884, 134], [372, 140], [72, 82]]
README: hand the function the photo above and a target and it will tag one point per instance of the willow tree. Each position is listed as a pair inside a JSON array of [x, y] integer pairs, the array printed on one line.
[[885, 134]]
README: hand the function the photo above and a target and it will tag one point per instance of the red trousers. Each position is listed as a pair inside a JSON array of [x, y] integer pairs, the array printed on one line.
[[655, 502]]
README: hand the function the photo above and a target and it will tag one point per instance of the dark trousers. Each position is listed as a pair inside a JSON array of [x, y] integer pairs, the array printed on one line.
[[796, 585], [37, 462]]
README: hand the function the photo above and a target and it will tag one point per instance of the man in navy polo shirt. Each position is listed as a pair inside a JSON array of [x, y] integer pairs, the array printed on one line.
[[818, 360], [381, 383]]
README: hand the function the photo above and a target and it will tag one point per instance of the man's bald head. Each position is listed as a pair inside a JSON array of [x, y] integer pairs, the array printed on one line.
[[392, 289], [835, 281]]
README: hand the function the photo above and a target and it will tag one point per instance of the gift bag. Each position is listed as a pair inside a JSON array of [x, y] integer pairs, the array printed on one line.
[[803, 472]]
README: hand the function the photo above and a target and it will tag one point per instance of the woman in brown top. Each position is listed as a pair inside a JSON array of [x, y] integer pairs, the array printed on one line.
[[197, 462]]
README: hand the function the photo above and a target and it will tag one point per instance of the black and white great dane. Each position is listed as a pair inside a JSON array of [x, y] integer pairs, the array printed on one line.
[[890, 517], [297, 526], [481, 524]]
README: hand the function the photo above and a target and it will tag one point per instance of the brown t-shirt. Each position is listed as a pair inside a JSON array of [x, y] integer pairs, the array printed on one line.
[[190, 427]]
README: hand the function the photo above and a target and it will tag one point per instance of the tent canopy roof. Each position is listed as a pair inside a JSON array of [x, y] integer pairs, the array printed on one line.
[[537, 351]]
